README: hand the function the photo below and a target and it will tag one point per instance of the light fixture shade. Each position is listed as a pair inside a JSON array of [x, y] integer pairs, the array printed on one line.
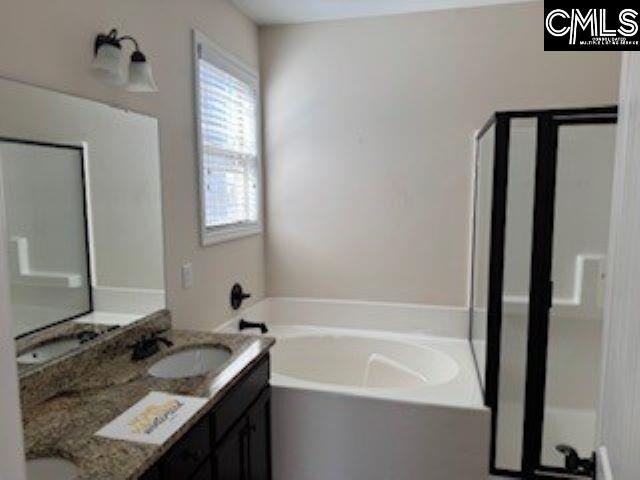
[[140, 75], [107, 64]]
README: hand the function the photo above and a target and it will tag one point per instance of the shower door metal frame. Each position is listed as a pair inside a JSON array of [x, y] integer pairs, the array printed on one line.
[[540, 291], [501, 123]]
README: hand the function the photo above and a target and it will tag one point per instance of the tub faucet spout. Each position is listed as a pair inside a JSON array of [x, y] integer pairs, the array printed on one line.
[[243, 325]]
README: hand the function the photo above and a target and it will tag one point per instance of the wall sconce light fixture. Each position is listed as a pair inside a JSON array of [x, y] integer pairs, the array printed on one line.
[[108, 63]]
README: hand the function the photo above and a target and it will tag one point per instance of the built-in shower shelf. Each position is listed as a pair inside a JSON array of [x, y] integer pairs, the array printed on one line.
[[26, 276], [51, 279], [587, 296]]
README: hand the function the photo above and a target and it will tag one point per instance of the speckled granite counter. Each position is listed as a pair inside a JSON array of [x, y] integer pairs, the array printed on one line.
[[64, 425], [57, 332]]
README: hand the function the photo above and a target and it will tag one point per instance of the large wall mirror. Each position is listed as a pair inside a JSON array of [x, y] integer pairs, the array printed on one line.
[[80, 183]]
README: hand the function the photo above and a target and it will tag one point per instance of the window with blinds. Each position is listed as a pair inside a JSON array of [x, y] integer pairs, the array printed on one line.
[[227, 108]]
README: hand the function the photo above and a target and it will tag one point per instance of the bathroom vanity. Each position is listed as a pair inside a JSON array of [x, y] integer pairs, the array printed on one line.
[[81, 183], [68, 400], [232, 441]]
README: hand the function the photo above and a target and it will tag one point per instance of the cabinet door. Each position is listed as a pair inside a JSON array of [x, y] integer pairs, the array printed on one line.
[[259, 444], [204, 472], [186, 456], [230, 457]]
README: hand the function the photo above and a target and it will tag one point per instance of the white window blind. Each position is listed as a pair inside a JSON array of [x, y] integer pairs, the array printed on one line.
[[228, 113]]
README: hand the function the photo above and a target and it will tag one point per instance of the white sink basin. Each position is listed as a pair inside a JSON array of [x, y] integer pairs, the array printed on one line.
[[190, 363], [51, 469], [49, 351]]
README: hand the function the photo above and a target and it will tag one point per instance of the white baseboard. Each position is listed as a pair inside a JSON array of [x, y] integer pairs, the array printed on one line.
[[128, 300]]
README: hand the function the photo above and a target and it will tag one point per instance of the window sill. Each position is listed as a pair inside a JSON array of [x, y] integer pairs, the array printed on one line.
[[212, 237]]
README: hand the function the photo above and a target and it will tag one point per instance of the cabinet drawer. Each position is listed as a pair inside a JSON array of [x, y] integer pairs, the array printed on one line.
[[239, 399], [185, 457]]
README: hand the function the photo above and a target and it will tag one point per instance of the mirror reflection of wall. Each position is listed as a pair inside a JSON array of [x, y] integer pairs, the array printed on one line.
[[117, 254], [48, 243]]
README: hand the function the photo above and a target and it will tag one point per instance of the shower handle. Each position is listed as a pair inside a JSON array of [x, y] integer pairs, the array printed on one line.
[[573, 463]]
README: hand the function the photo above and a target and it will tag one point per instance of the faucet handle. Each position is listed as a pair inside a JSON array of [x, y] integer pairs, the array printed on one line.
[[157, 333], [571, 458], [238, 296]]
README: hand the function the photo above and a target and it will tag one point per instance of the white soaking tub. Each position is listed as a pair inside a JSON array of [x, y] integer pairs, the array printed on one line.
[[367, 391]]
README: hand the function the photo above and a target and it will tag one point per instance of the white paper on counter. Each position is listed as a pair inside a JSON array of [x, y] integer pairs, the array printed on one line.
[[153, 419]]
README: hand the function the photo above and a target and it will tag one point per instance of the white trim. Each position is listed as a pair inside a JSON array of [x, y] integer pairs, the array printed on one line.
[[108, 318], [408, 318], [237, 67], [472, 217], [88, 201], [604, 466], [374, 303], [138, 301], [274, 12], [225, 234]]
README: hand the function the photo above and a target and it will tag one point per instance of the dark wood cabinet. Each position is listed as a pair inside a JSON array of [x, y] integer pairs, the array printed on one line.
[[184, 459], [230, 457], [231, 442], [203, 473], [259, 441], [244, 453]]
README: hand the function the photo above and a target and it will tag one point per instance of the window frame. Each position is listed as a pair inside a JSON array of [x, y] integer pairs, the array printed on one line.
[[217, 56]]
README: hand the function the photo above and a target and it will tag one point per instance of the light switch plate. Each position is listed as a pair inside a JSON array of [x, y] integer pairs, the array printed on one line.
[[187, 275]]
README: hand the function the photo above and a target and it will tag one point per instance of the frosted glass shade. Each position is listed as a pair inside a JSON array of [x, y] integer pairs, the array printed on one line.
[[107, 64], [141, 77]]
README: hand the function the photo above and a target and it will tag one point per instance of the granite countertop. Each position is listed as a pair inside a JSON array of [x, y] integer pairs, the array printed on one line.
[[62, 331], [64, 425]]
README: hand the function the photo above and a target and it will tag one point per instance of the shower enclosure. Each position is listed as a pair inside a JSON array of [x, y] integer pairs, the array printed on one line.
[[43, 186], [541, 220]]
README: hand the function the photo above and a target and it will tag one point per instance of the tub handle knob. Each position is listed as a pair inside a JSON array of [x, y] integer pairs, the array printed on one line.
[[238, 296]]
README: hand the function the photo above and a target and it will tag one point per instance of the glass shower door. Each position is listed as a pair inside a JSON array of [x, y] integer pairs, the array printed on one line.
[[515, 294], [584, 158], [543, 193]]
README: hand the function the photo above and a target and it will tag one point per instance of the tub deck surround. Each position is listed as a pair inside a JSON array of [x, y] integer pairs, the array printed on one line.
[[400, 352], [64, 424], [369, 390], [409, 318]]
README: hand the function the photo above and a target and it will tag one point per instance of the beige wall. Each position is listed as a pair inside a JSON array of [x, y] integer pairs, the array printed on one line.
[[368, 142], [49, 44]]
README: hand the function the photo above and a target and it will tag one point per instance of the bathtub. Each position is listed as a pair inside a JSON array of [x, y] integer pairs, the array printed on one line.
[[372, 391]]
